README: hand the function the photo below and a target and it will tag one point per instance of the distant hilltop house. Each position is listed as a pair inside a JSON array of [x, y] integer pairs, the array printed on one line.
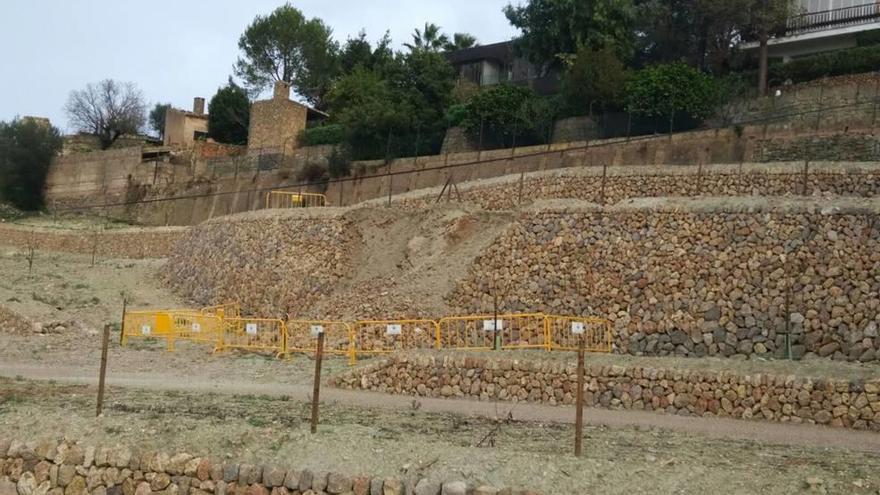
[[275, 124], [488, 65], [822, 26]]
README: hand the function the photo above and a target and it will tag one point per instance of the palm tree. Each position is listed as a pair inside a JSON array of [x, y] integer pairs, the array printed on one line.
[[460, 41], [429, 40]]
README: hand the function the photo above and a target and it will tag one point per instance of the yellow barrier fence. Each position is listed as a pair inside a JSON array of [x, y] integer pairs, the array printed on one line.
[[228, 310], [566, 332], [223, 326], [478, 332], [302, 336], [148, 325], [252, 334], [195, 327], [287, 199], [383, 336]]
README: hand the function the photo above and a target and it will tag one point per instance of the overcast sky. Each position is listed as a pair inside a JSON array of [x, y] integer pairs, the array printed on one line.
[[177, 49]]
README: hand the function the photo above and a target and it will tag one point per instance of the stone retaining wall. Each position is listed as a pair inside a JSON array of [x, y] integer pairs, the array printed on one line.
[[616, 184], [686, 279], [850, 404], [122, 243], [50, 468]]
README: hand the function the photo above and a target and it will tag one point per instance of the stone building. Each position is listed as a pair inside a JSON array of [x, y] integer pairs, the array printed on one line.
[[276, 124], [183, 128]]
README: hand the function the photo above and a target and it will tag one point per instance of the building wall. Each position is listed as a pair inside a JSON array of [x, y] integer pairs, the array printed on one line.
[[181, 126], [275, 124]]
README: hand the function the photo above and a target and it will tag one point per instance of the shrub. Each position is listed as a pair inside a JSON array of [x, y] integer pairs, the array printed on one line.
[[594, 76], [324, 134], [506, 112], [27, 147], [837, 63], [667, 90]]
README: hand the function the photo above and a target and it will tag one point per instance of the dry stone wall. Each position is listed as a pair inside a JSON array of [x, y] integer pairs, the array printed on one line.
[[122, 243], [68, 468], [616, 184], [840, 403], [271, 262], [695, 278]]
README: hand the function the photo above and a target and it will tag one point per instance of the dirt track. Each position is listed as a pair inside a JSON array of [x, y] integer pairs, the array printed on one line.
[[774, 433]]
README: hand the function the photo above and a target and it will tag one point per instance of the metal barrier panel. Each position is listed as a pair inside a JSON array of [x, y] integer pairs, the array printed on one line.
[[196, 327], [228, 310], [477, 332], [252, 334], [566, 332], [382, 336], [147, 324], [302, 336], [287, 199]]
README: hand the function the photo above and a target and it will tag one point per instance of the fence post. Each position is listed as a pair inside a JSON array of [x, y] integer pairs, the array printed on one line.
[[390, 184], [319, 354], [122, 324], [579, 412], [806, 177], [604, 178], [103, 372]]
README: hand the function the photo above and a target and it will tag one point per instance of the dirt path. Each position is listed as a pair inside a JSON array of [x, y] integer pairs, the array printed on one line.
[[723, 428]]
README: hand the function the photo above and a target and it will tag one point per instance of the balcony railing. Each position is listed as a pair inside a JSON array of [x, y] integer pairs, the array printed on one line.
[[832, 19]]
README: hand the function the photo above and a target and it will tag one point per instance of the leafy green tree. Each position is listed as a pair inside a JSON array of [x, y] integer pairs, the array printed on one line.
[[763, 19], [108, 110], [505, 113], [552, 29], [430, 39], [229, 115], [285, 46], [359, 52], [667, 90], [594, 76], [461, 41], [157, 118], [27, 147]]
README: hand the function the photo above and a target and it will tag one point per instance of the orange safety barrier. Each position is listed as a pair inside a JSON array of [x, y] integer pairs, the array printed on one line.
[[252, 334], [478, 332], [228, 310], [566, 332], [302, 336], [383, 336], [195, 327], [147, 325]]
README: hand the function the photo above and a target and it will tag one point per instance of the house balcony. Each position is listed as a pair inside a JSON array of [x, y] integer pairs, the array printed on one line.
[[815, 32]]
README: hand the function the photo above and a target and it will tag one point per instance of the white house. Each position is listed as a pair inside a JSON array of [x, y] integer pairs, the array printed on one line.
[[823, 25]]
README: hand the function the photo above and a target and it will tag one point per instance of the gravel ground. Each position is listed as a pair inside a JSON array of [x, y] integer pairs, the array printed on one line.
[[441, 446]]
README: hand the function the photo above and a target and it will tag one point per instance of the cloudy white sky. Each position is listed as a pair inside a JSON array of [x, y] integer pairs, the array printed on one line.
[[177, 49]]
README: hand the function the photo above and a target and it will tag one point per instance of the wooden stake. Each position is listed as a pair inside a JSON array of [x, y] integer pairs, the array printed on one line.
[[103, 373], [122, 323], [319, 354], [579, 414]]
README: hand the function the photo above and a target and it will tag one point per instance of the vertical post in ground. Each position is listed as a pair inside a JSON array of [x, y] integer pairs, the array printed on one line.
[[122, 323], [806, 177], [521, 177], [604, 178], [103, 372], [319, 354], [579, 413], [390, 184]]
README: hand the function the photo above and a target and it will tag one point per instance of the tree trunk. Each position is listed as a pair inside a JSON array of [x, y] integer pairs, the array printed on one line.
[[762, 65]]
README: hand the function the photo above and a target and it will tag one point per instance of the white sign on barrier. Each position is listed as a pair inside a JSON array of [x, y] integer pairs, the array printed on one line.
[[251, 328], [146, 330], [393, 329], [317, 330], [577, 327], [493, 325], [196, 328]]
